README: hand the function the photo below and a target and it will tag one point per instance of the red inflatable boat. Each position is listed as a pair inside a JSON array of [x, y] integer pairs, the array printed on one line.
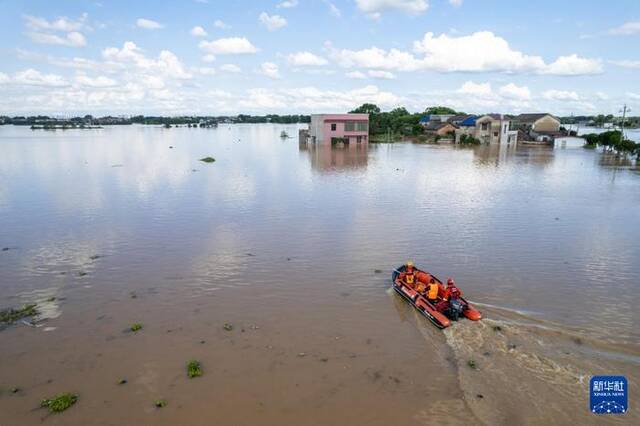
[[440, 304]]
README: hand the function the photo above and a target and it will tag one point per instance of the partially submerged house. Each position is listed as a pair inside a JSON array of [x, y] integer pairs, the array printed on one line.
[[339, 128], [538, 127], [488, 129], [441, 130]]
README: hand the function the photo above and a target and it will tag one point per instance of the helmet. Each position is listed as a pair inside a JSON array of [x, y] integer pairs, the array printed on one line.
[[409, 264], [450, 281]]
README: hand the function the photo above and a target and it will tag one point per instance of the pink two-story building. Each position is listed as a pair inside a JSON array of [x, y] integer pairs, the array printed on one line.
[[336, 128]]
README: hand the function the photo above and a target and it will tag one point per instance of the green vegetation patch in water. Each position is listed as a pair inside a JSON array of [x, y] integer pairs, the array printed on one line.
[[136, 327], [11, 315], [208, 160], [160, 403], [59, 403], [194, 369]]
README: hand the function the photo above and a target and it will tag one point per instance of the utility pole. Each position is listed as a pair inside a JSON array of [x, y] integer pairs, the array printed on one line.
[[624, 113]]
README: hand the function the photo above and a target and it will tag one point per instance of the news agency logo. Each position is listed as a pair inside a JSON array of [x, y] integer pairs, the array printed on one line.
[[609, 395]]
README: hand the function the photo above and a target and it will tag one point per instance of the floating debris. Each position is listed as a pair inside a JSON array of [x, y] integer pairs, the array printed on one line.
[[160, 403], [479, 396], [95, 257], [5, 248], [59, 403], [122, 382], [51, 299], [377, 271], [324, 359], [208, 160], [472, 364], [227, 326], [133, 295], [194, 369], [15, 389], [9, 316], [497, 328], [302, 355], [136, 327], [82, 273]]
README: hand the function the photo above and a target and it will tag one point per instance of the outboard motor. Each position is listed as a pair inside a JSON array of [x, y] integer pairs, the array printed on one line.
[[455, 309]]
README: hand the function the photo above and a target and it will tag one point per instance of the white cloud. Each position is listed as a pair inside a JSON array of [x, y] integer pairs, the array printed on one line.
[[272, 22], [626, 63], [512, 91], [287, 4], [633, 96], [479, 52], [384, 75], [62, 24], [270, 70], [356, 74], [209, 58], [198, 31], [560, 95], [312, 99], [375, 7], [31, 77], [72, 39], [231, 68], [221, 25], [4, 78], [306, 59], [573, 65], [475, 89], [206, 71], [455, 3], [100, 81], [167, 64], [627, 28], [333, 9], [228, 46], [148, 24]]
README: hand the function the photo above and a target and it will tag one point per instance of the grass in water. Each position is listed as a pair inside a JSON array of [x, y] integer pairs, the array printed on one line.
[[160, 403], [208, 160], [59, 403], [194, 369], [227, 326], [11, 315], [136, 327], [472, 364]]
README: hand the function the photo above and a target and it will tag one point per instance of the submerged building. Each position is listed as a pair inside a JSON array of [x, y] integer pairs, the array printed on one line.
[[331, 129]]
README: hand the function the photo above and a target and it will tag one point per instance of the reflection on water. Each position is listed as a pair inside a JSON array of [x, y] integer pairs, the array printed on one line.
[[283, 239], [327, 159]]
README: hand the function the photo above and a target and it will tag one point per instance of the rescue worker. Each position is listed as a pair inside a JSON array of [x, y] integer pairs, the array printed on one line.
[[432, 290], [409, 275], [452, 290]]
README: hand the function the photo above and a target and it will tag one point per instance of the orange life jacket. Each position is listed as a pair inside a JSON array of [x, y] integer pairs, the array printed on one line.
[[409, 277], [432, 291]]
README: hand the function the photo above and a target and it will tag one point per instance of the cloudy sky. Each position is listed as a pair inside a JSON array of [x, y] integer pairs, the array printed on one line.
[[300, 56]]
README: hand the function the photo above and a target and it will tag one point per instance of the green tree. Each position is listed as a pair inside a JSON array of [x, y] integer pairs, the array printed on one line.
[[367, 109], [440, 110]]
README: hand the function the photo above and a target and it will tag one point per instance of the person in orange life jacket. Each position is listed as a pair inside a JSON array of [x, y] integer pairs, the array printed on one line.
[[409, 275], [432, 290], [453, 291]]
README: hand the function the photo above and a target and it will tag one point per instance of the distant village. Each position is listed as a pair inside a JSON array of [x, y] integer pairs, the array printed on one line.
[[435, 125]]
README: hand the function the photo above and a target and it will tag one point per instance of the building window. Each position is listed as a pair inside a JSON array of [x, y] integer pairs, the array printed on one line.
[[485, 126], [333, 127], [362, 126], [495, 134], [349, 126]]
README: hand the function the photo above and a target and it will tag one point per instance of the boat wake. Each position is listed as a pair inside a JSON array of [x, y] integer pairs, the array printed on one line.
[[515, 369]]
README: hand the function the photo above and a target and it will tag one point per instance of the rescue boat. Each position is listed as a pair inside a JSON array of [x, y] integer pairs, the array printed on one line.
[[440, 312]]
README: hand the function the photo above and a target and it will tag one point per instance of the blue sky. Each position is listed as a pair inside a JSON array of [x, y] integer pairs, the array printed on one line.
[[287, 56]]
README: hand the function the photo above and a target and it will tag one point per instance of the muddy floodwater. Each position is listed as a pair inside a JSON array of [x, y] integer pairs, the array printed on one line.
[[292, 246]]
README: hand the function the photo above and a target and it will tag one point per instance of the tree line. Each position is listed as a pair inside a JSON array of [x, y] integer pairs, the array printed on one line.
[[612, 140], [398, 120]]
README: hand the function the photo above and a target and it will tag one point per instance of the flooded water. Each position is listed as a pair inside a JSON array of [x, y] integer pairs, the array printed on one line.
[[106, 228]]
